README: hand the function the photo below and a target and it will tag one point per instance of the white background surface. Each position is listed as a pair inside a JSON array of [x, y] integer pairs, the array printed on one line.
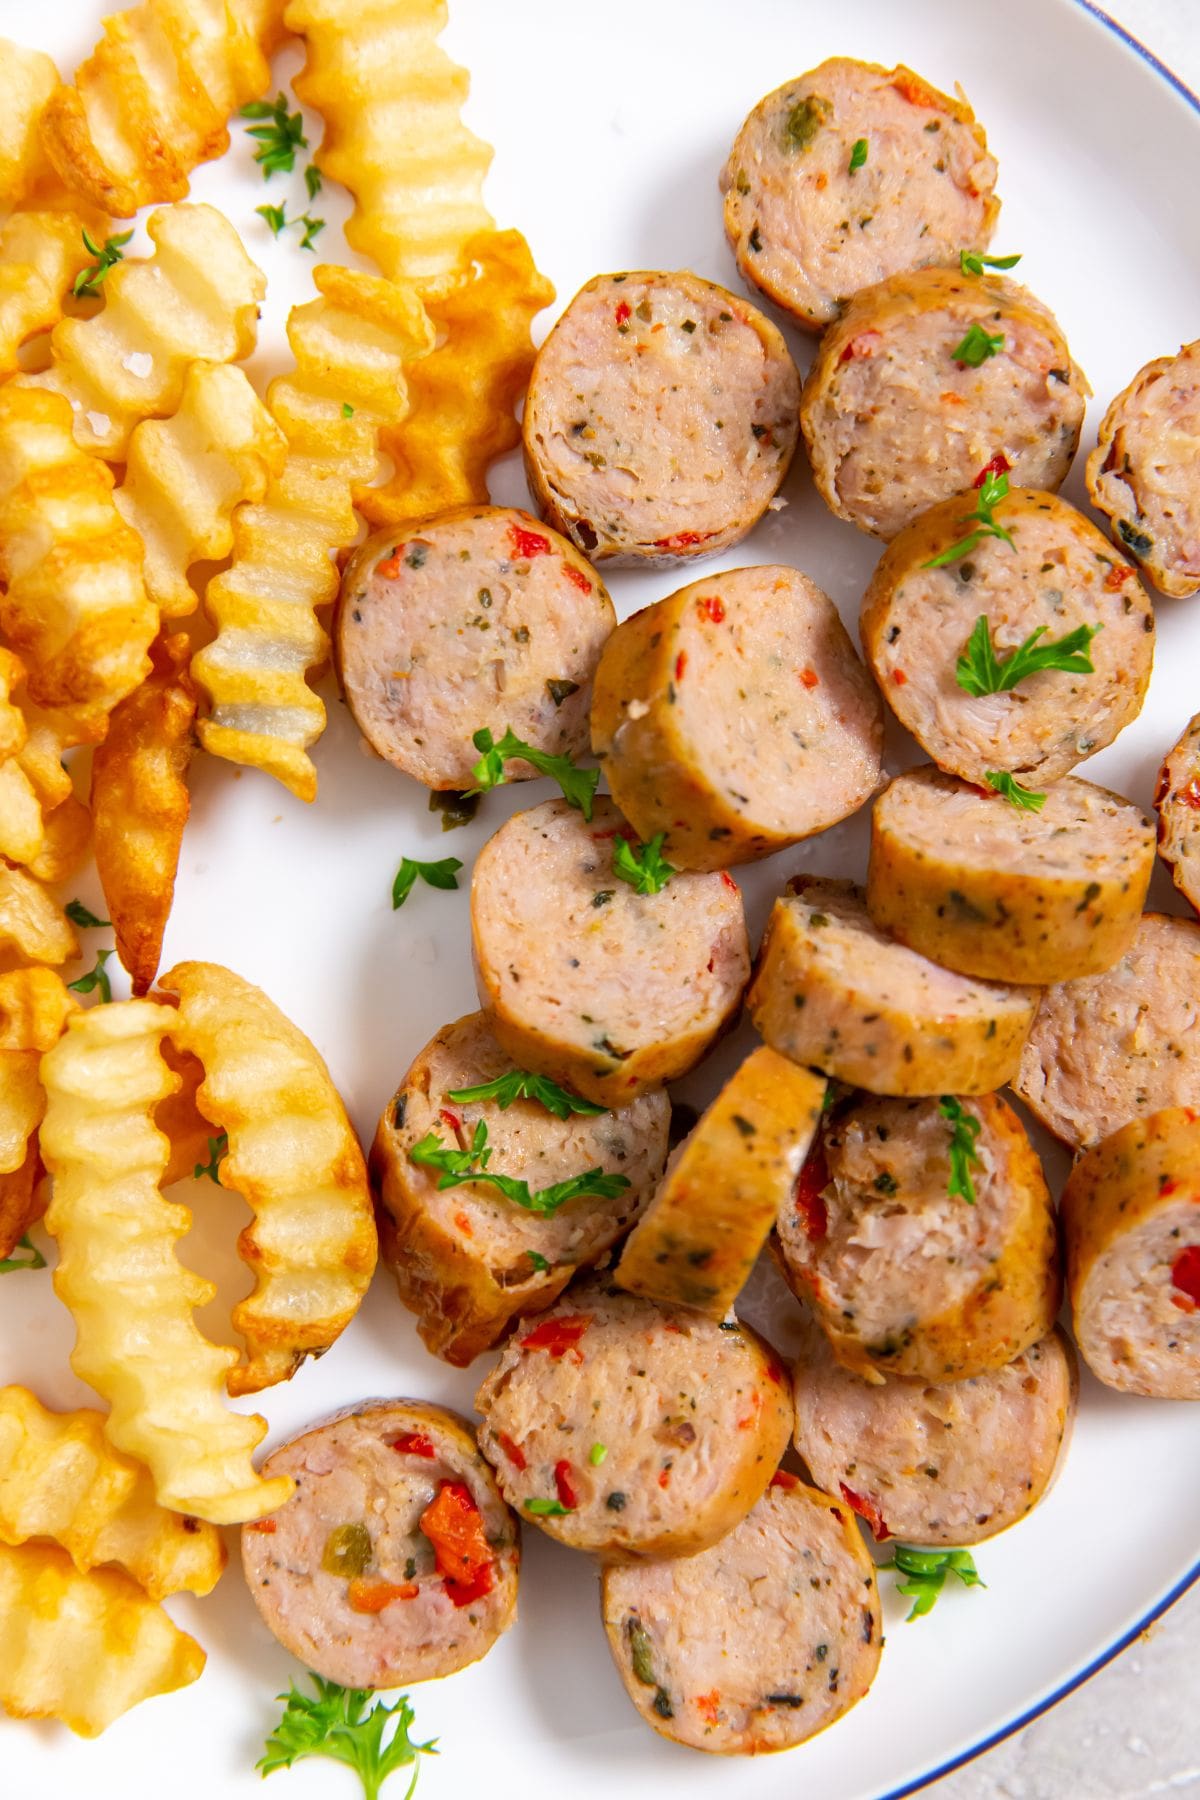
[[610, 128]]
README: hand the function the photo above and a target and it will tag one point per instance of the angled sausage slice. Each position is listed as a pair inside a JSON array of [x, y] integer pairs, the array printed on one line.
[[1057, 575], [834, 991], [714, 1208], [1178, 805], [630, 1429], [586, 980], [1131, 1220], [660, 419], [996, 890], [736, 717], [895, 422], [811, 222], [905, 1276], [478, 617], [758, 1643], [948, 1464], [396, 1559], [467, 1260], [1142, 472], [1121, 1045]]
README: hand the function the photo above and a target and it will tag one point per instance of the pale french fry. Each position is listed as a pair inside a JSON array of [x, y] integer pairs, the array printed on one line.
[[60, 1478], [140, 805], [463, 395], [41, 253], [34, 1009], [33, 926], [186, 474], [153, 98], [196, 297], [132, 1300], [27, 80], [83, 1648], [294, 1158], [391, 102], [74, 607], [352, 348]]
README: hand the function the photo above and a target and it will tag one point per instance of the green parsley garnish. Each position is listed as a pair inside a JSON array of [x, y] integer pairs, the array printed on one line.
[[280, 133], [964, 1129], [277, 219], [459, 1166], [980, 671], [805, 120], [35, 1259], [335, 1723], [347, 410], [217, 1147], [993, 489], [547, 1509], [538, 1260], [926, 1571], [1013, 792], [597, 1454], [311, 229], [83, 916], [95, 978], [858, 154], [441, 874], [88, 282], [971, 263], [523, 1084], [976, 347], [312, 180], [578, 785], [645, 870]]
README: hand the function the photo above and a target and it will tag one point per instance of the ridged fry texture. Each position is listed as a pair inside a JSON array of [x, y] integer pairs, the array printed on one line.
[[40, 255], [34, 1009], [27, 80]]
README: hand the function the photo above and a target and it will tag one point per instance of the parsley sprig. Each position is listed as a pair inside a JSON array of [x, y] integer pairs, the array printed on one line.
[[335, 1723], [964, 1129], [578, 785], [858, 154], [34, 1260], [523, 1084], [646, 870], [925, 1573], [993, 489], [277, 219], [88, 282], [84, 917], [443, 874], [459, 1166], [217, 1149], [971, 263], [980, 671], [977, 345], [1016, 795], [280, 134], [95, 978]]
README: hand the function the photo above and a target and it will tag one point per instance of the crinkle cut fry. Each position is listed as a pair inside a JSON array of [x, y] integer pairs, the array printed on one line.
[[132, 1300], [352, 347], [43, 827], [464, 394], [391, 101], [295, 1159], [83, 1648], [27, 80], [33, 926], [40, 255], [153, 98]]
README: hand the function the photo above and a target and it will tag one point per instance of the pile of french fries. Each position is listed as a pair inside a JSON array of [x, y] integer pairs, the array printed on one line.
[[133, 451]]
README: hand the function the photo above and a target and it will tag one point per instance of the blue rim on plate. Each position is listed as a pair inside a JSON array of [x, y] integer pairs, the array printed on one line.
[[1193, 1575]]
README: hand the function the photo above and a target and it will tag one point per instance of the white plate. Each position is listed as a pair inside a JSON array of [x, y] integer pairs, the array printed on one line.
[[610, 123]]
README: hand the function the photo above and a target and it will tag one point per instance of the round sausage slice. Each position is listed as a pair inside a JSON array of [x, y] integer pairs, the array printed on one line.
[[906, 403], [833, 991], [906, 1273], [849, 174], [758, 1643], [630, 1429], [736, 717], [1121, 1045], [942, 1464], [1057, 575], [1178, 805], [1007, 892], [588, 981], [396, 1559], [478, 617], [660, 418], [714, 1208], [466, 1259], [1142, 473], [1131, 1220]]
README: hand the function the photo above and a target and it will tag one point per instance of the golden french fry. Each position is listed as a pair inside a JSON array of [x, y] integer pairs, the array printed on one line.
[[33, 926], [179, 1117], [391, 102], [352, 348], [140, 805], [60, 1478], [295, 1159], [196, 297], [22, 1103], [463, 395], [34, 1009], [40, 255], [153, 98], [27, 80], [65, 842], [132, 1300], [22, 826], [83, 1648], [21, 1189]]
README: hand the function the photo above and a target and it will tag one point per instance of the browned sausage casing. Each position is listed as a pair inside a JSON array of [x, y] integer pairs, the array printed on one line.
[[1143, 472], [1178, 803]]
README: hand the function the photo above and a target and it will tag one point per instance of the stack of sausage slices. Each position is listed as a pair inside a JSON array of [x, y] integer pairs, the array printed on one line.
[[527, 1197]]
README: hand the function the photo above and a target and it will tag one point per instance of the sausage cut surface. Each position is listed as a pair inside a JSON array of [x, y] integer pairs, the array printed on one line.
[[1178, 804], [1145, 470]]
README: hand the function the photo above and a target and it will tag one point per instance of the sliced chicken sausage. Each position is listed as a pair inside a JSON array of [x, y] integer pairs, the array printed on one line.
[[736, 717], [478, 617], [630, 1429], [1131, 1219], [1178, 805], [921, 631], [588, 981], [468, 1260], [660, 419], [924, 1243], [1143, 472], [928, 378], [396, 1559], [833, 991], [1004, 891], [758, 1643], [849, 174]]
